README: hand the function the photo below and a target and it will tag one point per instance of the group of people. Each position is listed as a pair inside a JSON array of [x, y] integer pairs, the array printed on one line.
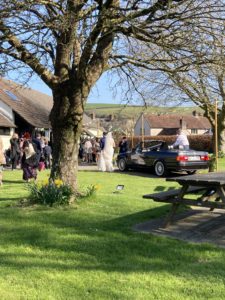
[[89, 150], [28, 153], [107, 145], [101, 151]]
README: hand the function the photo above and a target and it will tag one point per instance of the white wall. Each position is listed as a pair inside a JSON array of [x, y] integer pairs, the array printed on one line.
[[138, 127], [6, 111], [155, 131], [6, 139]]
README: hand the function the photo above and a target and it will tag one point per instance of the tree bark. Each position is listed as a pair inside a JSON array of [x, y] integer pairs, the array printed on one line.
[[221, 131], [66, 120]]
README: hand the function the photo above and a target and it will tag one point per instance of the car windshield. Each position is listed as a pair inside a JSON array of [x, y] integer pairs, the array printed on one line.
[[150, 146]]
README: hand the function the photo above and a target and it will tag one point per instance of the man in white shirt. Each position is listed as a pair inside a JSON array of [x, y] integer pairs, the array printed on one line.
[[181, 141], [88, 151]]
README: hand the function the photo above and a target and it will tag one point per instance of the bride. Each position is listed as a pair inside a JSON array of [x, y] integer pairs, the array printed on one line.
[[106, 156]]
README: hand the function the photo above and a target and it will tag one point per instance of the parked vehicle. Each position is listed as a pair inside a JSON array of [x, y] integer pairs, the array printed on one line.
[[156, 154]]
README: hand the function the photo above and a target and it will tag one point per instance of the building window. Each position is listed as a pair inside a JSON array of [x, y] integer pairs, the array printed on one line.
[[194, 131], [4, 131], [11, 95]]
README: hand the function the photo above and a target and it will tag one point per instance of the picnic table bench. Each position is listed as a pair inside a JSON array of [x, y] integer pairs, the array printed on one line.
[[210, 187]]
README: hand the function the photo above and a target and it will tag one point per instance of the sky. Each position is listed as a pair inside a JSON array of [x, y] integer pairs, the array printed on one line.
[[101, 93]]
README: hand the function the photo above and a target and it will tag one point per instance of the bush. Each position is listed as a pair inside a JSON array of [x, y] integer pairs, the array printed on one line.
[[221, 154], [197, 142], [50, 193], [89, 191]]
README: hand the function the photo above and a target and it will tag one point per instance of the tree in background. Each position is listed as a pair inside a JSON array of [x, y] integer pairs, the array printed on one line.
[[192, 70], [69, 44], [203, 81]]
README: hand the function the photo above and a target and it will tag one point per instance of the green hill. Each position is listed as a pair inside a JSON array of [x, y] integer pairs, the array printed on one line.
[[130, 111]]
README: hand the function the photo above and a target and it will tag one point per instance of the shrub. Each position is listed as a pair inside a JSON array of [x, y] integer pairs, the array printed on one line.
[[89, 191], [50, 193], [221, 154], [197, 142]]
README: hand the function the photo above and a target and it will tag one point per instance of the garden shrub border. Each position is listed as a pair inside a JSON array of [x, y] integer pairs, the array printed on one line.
[[197, 142]]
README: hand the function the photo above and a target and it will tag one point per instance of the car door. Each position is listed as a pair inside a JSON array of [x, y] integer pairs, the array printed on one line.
[[137, 157], [145, 157], [152, 153]]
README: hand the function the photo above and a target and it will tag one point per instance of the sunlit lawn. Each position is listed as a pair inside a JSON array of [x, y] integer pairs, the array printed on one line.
[[89, 250]]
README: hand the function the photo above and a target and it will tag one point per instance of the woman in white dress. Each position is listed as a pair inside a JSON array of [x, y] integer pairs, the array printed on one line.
[[106, 156]]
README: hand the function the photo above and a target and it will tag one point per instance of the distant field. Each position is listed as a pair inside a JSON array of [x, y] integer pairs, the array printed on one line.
[[133, 111]]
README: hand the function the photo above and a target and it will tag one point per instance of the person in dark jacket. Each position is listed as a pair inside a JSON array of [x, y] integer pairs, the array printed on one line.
[[123, 145], [15, 150], [47, 152], [37, 143], [102, 140]]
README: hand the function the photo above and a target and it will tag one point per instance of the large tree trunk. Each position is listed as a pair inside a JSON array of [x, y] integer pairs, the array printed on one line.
[[66, 120], [221, 142], [221, 133]]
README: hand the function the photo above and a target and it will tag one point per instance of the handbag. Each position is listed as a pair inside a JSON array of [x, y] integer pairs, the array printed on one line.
[[32, 161]]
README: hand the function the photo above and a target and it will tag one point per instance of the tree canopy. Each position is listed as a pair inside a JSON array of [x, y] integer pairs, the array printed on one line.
[[96, 34], [69, 44]]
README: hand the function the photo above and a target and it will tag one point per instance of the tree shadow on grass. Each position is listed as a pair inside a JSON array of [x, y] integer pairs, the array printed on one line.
[[13, 181], [141, 173], [65, 240], [11, 199]]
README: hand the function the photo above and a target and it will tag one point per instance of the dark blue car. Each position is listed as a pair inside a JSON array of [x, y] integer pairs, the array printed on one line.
[[157, 155]]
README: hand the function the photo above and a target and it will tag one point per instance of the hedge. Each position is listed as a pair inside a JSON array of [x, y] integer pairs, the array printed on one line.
[[197, 142]]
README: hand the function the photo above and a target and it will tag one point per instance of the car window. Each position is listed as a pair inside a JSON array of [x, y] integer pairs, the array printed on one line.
[[153, 146], [138, 149], [150, 146]]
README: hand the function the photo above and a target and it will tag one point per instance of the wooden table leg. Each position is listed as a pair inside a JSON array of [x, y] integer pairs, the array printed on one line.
[[221, 192], [175, 206], [171, 214], [221, 195]]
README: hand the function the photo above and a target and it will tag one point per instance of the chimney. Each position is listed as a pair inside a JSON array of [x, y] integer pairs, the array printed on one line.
[[183, 124], [111, 117], [92, 115], [194, 113]]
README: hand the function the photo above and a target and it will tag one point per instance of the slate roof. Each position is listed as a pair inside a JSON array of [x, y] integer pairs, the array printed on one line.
[[32, 106], [5, 122], [173, 121]]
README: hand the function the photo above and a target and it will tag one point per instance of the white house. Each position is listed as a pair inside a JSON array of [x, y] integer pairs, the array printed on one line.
[[167, 124]]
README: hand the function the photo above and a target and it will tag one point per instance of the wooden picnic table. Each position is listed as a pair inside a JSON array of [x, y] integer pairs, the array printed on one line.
[[210, 188]]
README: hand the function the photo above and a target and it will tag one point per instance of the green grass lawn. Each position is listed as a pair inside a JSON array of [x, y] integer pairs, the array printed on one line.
[[89, 251]]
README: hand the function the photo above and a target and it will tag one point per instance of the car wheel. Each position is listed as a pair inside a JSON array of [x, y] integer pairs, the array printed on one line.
[[122, 164], [191, 172], [160, 168]]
